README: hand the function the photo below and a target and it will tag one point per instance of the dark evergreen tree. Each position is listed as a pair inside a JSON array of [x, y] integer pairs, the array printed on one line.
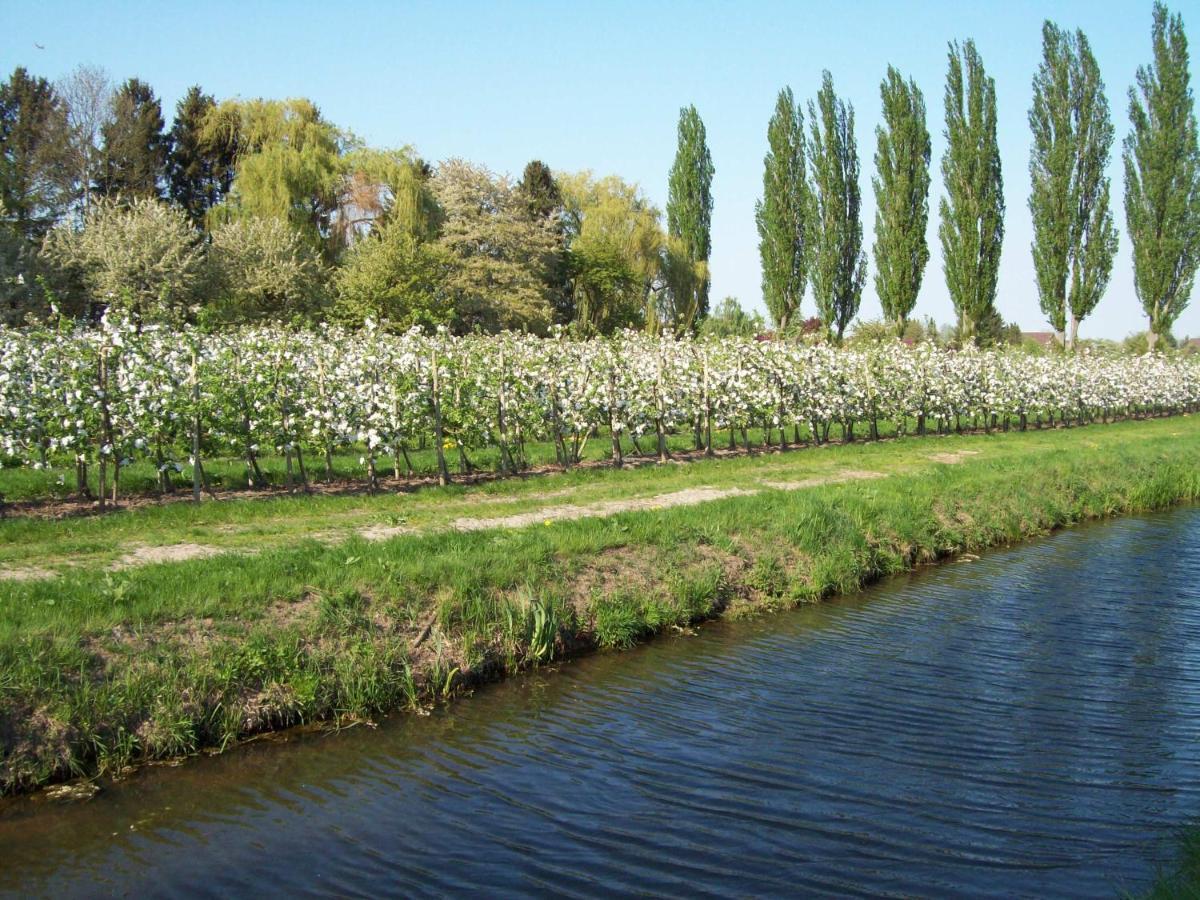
[[134, 146], [200, 167], [542, 199], [539, 190], [33, 159]]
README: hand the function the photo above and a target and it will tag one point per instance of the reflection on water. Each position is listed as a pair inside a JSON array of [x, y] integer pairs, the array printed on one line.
[[1025, 724]]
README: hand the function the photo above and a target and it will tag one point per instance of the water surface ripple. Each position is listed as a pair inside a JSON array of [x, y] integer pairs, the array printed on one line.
[[1022, 725]]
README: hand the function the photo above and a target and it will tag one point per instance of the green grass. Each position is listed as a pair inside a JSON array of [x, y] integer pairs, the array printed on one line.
[[1182, 882], [102, 668], [90, 544]]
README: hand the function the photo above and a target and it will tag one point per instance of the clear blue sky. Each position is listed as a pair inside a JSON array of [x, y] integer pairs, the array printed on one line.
[[599, 85]]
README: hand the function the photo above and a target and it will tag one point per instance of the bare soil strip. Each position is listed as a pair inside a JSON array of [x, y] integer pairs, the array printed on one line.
[[142, 555], [839, 478], [688, 497], [25, 573], [952, 458]]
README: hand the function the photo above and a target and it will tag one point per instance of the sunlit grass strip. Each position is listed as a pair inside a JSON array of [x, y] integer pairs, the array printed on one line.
[[101, 670]]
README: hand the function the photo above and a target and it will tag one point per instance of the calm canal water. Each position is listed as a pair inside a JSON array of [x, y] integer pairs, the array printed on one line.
[[1024, 725]]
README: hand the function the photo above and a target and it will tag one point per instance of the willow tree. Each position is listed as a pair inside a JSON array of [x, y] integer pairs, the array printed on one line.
[[839, 266], [1162, 179], [412, 207], [615, 247], [689, 218], [394, 270], [288, 165], [972, 212], [1074, 239], [901, 184], [377, 186], [782, 215]]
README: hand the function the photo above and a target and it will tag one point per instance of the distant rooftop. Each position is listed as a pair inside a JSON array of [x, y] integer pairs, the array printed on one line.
[[1045, 338]]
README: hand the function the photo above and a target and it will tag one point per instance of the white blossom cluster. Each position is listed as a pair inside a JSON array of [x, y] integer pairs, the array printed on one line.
[[124, 393]]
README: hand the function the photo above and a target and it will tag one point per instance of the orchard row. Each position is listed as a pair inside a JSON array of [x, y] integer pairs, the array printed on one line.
[[111, 395]]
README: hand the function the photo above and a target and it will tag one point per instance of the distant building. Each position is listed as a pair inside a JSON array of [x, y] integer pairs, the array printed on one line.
[[1045, 338], [1190, 346]]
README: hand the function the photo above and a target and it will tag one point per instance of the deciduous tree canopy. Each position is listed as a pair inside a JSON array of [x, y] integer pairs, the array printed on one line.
[[142, 257]]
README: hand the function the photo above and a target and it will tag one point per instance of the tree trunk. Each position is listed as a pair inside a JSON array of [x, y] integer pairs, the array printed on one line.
[[659, 421], [443, 472], [708, 443], [105, 429], [196, 471], [506, 462], [303, 470]]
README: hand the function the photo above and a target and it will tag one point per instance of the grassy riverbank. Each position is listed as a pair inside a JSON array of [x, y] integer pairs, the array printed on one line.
[[323, 608]]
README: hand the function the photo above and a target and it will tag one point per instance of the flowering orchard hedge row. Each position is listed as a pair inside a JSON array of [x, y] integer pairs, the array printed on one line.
[[114, 394]]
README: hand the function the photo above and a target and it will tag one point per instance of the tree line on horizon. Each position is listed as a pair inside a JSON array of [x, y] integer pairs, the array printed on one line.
[[245, 210]]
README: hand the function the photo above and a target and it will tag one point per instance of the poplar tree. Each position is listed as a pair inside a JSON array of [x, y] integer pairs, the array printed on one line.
[[134, 154], [1162, 179], [1074, 239], [972, 213], [689, 214], [839, 266], [783, 213], [901, 187]]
